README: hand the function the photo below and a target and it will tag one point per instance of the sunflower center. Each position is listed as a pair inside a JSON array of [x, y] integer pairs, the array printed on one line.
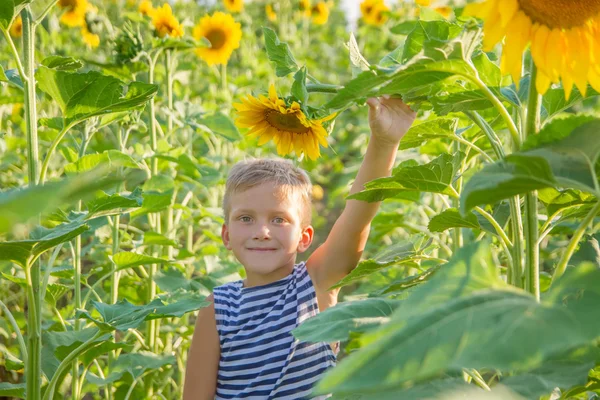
[[559, 14], [216, 38], [285, 122], [67, 3]]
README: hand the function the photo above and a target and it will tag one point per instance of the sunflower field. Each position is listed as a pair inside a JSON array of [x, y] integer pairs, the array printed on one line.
[[120, 119]]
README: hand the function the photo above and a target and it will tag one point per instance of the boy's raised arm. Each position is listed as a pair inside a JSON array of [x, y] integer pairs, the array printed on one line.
[[389, 119]]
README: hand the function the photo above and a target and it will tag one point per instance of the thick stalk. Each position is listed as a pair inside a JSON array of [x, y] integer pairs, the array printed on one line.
[[532, 255], [34, 335], [574, 242], [457, 241], [32, 270]]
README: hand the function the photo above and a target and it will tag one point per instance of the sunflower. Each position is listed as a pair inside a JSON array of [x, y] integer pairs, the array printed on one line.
[[270, 118], [165, 23], [425, 3], [234, 6], [374, 12], [75, 12], [564, 37], [146, 8], [16, 29], [271, 15], [224, 35], [89, 38], [304, 7], [320, 13]]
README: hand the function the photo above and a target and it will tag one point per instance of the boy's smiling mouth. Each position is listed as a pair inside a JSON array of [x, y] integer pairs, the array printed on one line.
[[261, 249]]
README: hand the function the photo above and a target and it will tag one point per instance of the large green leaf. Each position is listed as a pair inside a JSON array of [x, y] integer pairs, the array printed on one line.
[[279, 53], [403, 284], [567, 163], [443, 325], [397, 254], [171, 280], [337, 322], [561, 372], [85, 95], [434, 177], [41, 240], [21, 205]]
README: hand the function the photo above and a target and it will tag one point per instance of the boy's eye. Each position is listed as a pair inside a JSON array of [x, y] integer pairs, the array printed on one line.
[[279, 220], [245, 218]]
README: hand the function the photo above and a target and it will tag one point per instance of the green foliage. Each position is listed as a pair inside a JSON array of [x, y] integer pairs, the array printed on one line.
[[279, 53]]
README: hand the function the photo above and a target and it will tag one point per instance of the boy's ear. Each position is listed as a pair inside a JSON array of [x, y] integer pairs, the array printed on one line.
[[306, 238], [225, 236]]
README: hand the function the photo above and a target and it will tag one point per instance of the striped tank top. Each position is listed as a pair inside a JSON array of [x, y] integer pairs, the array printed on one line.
[[260, 358]]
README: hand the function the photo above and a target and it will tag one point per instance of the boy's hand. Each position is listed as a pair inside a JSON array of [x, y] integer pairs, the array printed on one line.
[[389, 119]]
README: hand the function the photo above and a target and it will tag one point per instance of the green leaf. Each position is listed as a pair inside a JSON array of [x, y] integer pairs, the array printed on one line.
[[21, 205], [432, 129], [41, 240], [12, 390], [403, 284], [61, 63], [171, 280], [564, 372], [446, 322], [428, 35], [396, 254], [126, 259], [134, 364], [153, 238], [299, 86], [124, 315], [114, 204], [221, 124], [337, 322], [451, 218], [469, 100], [12, 77], [357, 88], [557, 129], [434, 177], [85, 95], [7, 13], [567, 163], [555, 101], [279, 53]]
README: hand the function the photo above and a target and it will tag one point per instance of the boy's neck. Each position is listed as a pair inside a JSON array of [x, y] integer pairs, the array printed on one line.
[[253, 279]]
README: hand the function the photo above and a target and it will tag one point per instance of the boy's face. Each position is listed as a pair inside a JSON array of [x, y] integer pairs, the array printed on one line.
[[264, 231]]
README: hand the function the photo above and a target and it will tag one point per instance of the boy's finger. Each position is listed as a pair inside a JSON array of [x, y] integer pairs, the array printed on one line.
[[373, 102]]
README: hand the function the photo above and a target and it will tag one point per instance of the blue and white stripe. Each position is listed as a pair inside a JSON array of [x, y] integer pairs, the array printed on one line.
[[260, 359]]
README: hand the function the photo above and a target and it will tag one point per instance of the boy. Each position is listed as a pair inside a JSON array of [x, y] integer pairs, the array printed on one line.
[[242, 346]]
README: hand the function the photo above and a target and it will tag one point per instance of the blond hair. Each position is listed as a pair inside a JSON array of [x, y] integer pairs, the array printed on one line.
[[290, 179]]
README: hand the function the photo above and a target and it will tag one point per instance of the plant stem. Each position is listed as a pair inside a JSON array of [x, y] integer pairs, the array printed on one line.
[[323, 88], [532, 255], [51, 150], [15, 54], [45, 12], [510, 124], [17, 331], [34, 335], [515, 209], [32, 269], [496, 226], [564, 260]]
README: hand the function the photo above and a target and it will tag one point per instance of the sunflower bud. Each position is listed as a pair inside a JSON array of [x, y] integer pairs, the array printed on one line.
[[128, 44]]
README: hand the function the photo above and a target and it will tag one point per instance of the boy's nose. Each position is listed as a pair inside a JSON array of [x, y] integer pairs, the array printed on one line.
[[262, 232]]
